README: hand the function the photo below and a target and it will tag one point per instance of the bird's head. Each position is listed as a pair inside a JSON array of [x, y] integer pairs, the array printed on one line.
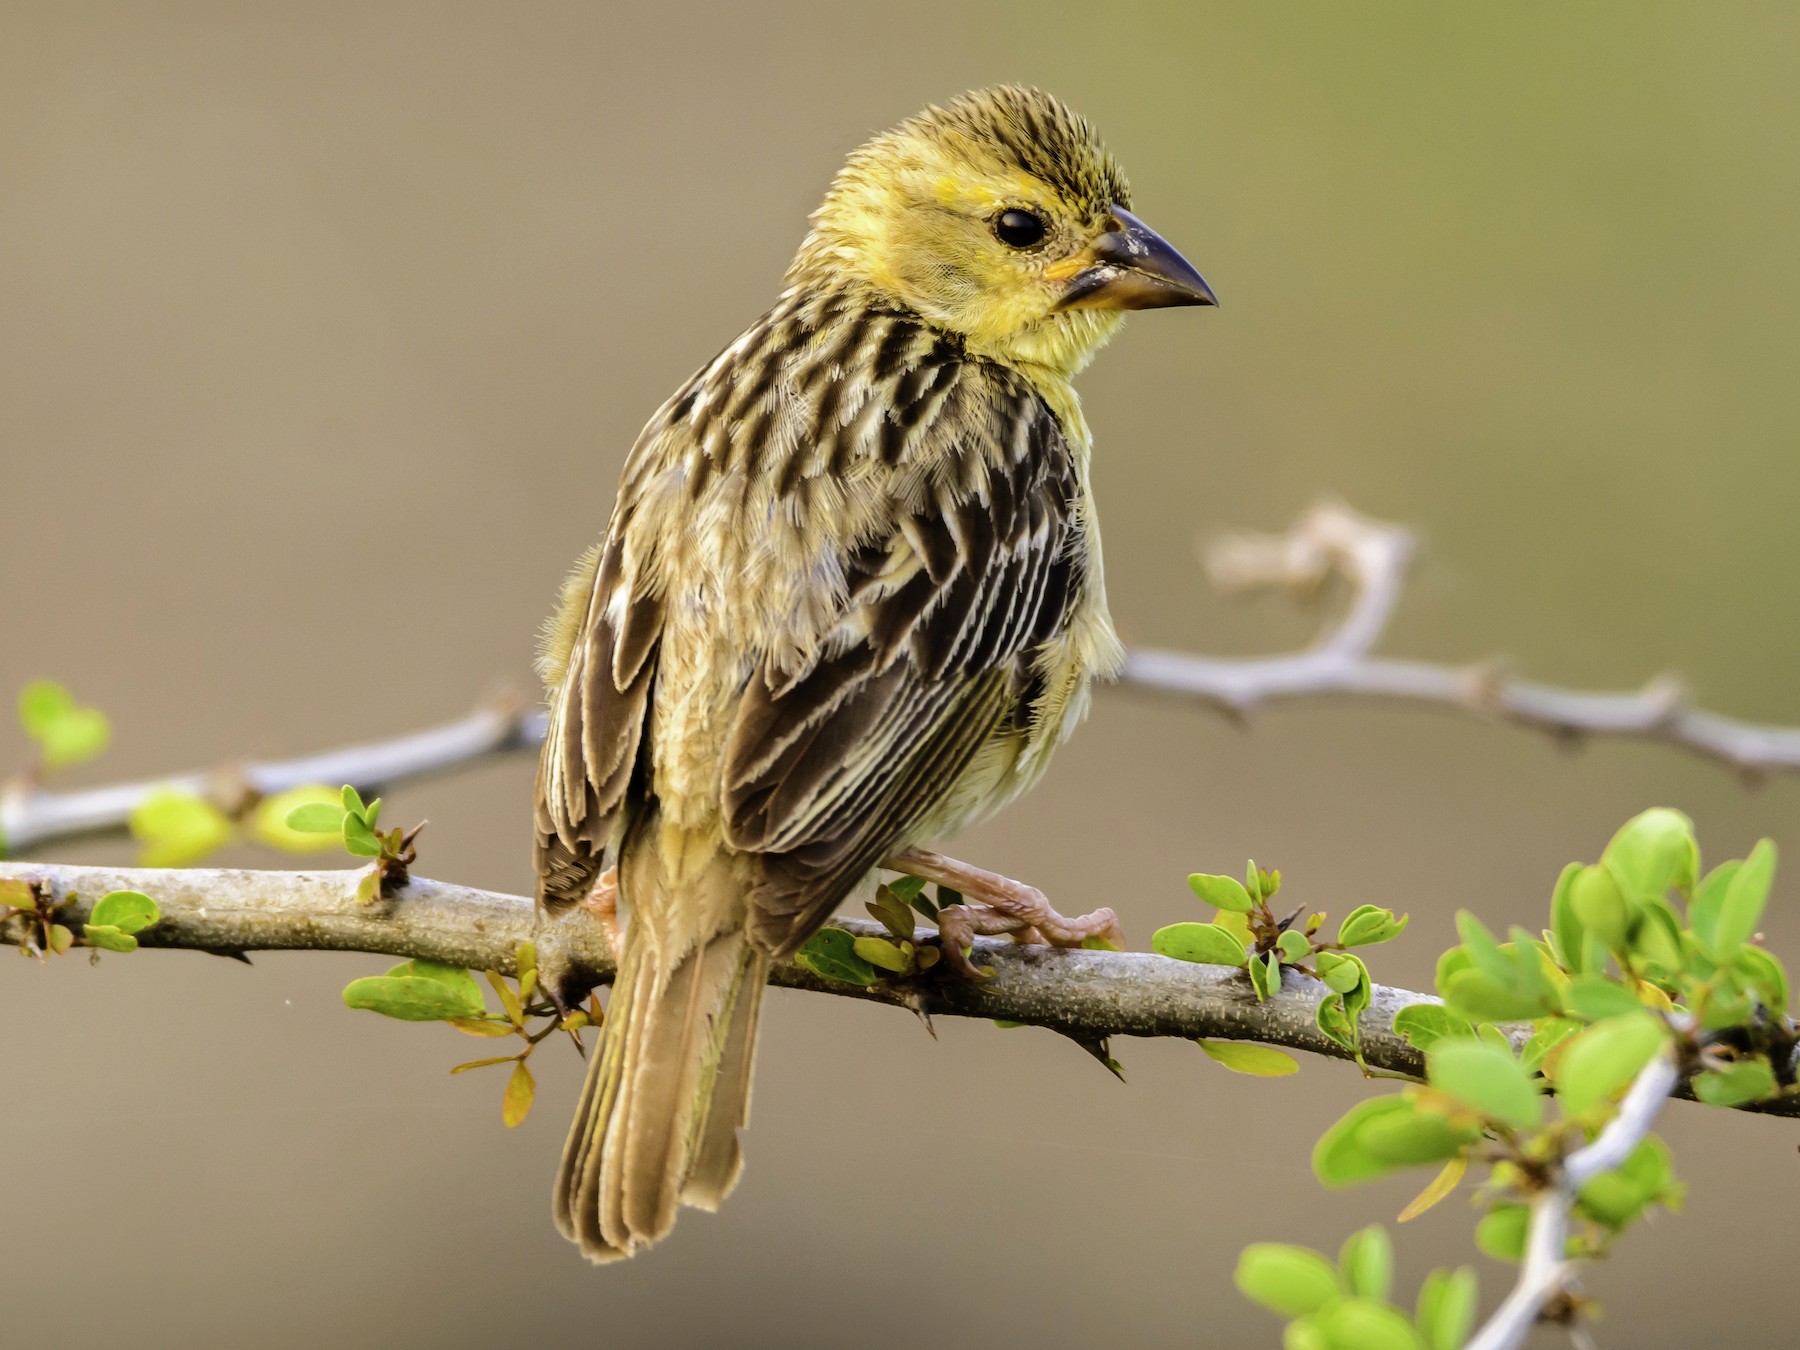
[[1001, 218]]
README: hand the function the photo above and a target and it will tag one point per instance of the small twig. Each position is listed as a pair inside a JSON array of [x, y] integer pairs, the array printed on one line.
[[1085, 995], [1372, 558], [1545, 1272], [31, 818], [1328, 540]]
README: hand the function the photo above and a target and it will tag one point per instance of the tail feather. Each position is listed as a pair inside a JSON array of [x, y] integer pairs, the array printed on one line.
[[664, 1097], [718, 1159]]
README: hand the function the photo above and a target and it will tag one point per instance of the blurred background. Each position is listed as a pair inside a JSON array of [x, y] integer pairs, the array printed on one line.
[[324, 329]]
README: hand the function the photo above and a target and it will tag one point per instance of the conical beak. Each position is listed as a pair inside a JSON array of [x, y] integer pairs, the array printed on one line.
[[1130, 266]]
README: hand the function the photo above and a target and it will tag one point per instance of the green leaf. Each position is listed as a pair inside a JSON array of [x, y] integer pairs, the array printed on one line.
[[359, 838], [1363, 1324], [1601, 907], [1446, 1310], [453, 977], [41, 704], [1745, 896], [127, 911], [1340, 1158], [521, 1090], [1570, 939], [352, 801], [1414, 1137], [1292, 1281], [1709, 899], [1367, 1262], [1368, 924], [1425, 1024], [1656, 941], [1225, 893], [1763, 973], [1605, 1057], [269, 820], [1378, 1136], [880, 952], [1488, 1081], [1293, 945], [177, 828], [1340, 971], [1652, 852], [1206, 943], [66, 733], [1479, 998], [830, 954], [1749, 1080], [509, 1001], [316, 817], [1259, 1061], [109, 937], [1331, 1019], [412, 997], [1551, 1032], [1484, 948], [892, 911], [75, 738], [1501, 1232], [1595, 997], [1265, 975], [1645, 1178], [906, 887]]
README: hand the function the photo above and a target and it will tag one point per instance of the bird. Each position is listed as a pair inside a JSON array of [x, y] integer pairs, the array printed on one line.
[[849, 599]]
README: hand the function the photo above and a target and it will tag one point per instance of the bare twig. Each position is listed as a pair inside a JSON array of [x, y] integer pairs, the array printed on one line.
[[1327, 541], [1373, 558], [30, 818], [1545, 1272], [1085, 995]]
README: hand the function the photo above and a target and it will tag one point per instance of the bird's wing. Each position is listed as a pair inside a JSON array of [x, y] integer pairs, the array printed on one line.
[[597, 721], [829, 763]]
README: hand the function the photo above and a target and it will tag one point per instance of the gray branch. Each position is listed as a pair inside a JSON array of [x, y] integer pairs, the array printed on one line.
[[1546, 1272], [1085, 995], [1327, 541]]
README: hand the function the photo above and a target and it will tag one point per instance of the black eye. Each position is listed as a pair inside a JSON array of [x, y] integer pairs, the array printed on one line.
[[1019, 229]]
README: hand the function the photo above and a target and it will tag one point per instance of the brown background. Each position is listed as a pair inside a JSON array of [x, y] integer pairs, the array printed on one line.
[[323, 331]]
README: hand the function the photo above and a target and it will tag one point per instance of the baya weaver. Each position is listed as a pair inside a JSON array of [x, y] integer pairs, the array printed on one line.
[[850, 598]]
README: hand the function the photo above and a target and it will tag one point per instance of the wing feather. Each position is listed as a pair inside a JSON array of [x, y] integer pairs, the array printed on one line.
[[945, 612]]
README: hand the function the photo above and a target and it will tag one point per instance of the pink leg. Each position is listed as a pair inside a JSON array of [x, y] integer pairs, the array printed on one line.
[[603, 904], [1006, 906]]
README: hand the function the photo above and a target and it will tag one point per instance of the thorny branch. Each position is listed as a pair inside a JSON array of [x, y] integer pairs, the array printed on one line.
[[1087, 996], [1327, 541], [1545, 1273]]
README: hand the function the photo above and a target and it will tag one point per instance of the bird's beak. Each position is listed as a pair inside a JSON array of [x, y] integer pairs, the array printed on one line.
[[1130, 266]]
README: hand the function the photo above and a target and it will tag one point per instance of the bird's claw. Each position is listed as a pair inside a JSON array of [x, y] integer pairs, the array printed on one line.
[[1006, 907]]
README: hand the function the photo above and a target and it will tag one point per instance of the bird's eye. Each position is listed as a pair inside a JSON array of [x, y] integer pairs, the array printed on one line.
[[1019, 229]]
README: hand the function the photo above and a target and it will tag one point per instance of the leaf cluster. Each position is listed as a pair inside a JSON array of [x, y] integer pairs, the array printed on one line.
[[841, 956], [428, 991], [357, 825], [1245, 934], [112, 925], [1344, 1305]]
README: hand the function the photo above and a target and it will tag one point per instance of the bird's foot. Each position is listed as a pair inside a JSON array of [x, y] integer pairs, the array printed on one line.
[[603, 903], [1005, 906]]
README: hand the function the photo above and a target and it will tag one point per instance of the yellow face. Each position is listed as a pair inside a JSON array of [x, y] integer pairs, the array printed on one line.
[[941, 216]]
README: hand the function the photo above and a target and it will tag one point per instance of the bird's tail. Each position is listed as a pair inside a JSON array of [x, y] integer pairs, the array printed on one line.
[[667, 1091]]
